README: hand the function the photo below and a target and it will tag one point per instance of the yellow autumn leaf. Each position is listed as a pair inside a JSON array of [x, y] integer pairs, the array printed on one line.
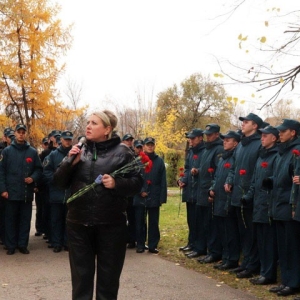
[[235, 100], [229, 99], [253, 95], [242, 101], [245, 38], [266, 23], [281, 80], [263, 39], [240, 36]]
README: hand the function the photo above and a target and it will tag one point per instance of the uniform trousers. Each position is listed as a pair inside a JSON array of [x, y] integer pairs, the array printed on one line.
[[232, 245], [191, 221], [208, 239], [2, 219], [288, 233], [267, 249], [58, 224], [130, 212], [141, 213], [17, 223], [247, 238]]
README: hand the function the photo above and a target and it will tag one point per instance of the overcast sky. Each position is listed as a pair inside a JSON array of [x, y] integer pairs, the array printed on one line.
[[125, 48]]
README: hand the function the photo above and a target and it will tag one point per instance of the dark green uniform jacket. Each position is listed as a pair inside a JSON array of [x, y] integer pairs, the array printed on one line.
[[260, 196], [245, 157], [189, 193], [222, 199], [209, 162], [19, 161]]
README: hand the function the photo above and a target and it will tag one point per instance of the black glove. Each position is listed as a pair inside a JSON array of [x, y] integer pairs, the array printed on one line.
[[267, 183]]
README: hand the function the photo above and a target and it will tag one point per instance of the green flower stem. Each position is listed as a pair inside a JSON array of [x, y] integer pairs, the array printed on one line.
[[81, 192], [242, 213], [180, 196]]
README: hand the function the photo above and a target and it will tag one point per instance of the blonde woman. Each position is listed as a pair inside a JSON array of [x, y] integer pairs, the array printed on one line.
[[96, 221]]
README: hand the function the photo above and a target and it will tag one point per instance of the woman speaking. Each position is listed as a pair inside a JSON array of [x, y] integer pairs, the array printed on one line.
[[96, 220]]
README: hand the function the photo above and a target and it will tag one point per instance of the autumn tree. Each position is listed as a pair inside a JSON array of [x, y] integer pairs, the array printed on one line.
[[284, 109], [196, 102], [32, 42]]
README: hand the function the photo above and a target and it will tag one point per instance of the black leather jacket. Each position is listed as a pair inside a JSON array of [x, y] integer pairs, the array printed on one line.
[[99, 205]]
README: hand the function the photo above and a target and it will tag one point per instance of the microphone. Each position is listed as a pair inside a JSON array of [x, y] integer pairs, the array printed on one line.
[[79, 145]]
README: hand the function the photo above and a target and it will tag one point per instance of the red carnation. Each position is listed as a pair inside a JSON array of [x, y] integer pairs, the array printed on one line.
[[227, 166], [210, 170], [181, 174], [181, 169], [148, 166], [264, 164], [149, 182], [29, 160], [144, 157], [296, 152], [242, 172], [195, 156]]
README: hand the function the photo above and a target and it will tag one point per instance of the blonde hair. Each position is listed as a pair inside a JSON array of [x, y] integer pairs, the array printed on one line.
[[108, 118]]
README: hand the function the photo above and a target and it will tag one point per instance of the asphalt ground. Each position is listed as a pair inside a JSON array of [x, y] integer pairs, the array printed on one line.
[[45, 275]]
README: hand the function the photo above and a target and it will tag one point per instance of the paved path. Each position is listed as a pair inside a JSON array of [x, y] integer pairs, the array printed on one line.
[[44, 275]]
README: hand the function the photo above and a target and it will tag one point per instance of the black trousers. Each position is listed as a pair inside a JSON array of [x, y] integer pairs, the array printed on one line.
[[39, 203], [130, 211], [247, 238], [232, 243], [267, 249], [58, 224], [17, 223], [288, 233], [191, 221], [99, 248], [141, 213], [2, 219]]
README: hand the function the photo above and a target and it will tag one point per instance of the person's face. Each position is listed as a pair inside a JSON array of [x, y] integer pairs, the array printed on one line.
[[95, 129], [53, 139], [195, 141], [45, 146], [128, 142], [9, 140], [229, 144], [286, 135], [20, 136], [66, 143], [149, 147], [212, 137], [267, 140], [248, 127], [138, 150]]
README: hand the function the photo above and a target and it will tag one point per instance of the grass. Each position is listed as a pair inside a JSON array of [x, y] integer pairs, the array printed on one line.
[[173, 229]]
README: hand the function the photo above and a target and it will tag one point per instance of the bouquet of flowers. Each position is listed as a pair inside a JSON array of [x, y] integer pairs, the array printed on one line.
[[142, 161]]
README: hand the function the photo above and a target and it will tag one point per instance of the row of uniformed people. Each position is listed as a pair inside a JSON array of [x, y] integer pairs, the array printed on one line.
[[240, 198], [16, 210]]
